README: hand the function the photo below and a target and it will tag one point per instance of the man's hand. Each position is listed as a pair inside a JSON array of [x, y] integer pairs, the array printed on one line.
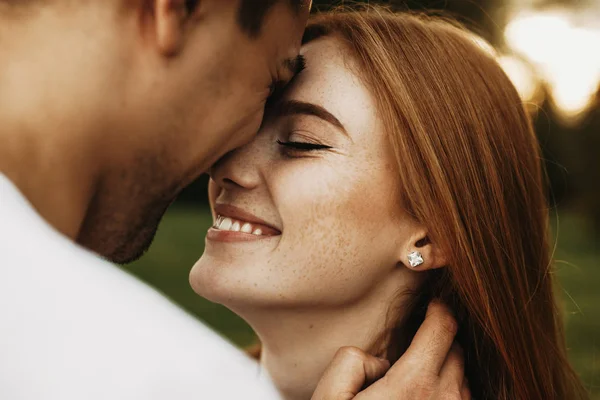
[[432, 367]]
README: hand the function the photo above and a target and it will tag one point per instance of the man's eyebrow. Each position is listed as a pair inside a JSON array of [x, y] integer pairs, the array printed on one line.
[[295, 65], [294, 107]]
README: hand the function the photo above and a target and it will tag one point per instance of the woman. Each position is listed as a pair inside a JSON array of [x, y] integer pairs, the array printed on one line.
[[399, 167]]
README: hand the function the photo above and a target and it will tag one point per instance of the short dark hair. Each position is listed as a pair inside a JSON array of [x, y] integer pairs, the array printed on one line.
[[252, 13]]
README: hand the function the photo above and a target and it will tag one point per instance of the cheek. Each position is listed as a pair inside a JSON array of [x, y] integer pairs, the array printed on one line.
[[228, 126], [337, 230], [248, 128], [241, 116]]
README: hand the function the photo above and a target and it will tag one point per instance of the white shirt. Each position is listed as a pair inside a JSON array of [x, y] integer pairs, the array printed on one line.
[[73, 326]]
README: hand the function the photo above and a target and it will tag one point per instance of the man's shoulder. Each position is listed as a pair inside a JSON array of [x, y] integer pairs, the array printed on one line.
[[40, 265], [72, 322]]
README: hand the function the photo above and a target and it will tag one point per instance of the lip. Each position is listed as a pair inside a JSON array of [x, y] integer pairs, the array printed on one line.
[[228, 210], [231, 236]]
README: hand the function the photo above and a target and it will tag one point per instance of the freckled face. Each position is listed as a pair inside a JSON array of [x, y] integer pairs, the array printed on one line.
[[333, 198]]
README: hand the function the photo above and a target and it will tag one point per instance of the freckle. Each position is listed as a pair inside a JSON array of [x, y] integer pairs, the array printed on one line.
[[310, 326]]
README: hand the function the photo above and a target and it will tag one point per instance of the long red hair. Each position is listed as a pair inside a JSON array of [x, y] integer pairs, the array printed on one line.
[[471, 171]]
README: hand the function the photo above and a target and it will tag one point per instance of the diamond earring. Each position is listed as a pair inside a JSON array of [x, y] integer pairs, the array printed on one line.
[[415, 259]]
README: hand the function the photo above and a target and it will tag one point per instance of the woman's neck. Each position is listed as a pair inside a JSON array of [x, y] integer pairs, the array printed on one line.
[[296, 354], [297, 345]]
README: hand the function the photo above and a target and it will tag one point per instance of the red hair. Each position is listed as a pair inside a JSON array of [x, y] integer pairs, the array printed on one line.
[[471, 171]]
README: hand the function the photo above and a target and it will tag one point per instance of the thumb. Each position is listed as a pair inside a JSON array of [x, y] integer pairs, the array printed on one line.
[[350, 369]]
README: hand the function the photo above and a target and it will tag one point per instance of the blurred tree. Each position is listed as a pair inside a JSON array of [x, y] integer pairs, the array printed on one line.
[[571, 155], [555, 149], [585, 140]]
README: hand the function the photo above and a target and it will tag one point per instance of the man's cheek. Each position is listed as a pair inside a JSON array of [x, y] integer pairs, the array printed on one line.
[[250, 130]]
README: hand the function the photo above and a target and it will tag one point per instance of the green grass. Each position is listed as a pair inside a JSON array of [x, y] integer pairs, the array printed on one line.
[[180, 242], [577, 257]]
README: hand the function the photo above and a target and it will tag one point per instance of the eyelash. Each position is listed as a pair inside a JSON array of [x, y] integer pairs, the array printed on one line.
[[303, 146]]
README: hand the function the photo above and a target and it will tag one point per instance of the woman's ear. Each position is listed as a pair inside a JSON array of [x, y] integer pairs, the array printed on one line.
[[421, 254]]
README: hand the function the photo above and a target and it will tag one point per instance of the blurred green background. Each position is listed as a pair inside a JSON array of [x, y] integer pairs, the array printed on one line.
[[551, 50]]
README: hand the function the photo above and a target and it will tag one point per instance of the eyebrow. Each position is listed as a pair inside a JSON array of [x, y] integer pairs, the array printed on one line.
[[295, 65], [295, 107]]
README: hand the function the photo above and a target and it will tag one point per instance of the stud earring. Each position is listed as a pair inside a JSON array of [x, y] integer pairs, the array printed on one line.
[[415, 259]]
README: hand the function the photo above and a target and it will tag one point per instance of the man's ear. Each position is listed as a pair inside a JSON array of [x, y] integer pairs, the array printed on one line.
[[170, 17], [421, 254]]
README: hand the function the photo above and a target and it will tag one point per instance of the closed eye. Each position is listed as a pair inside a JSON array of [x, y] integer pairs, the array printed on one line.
[[303, 146]]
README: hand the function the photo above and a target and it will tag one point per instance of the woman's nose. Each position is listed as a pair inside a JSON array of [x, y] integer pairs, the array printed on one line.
[[238, 169]]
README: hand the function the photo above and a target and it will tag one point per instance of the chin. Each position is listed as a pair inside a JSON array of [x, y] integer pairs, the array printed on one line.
[[120, 246], [211, 281], [205, 282], [133, 251], [234, 286]]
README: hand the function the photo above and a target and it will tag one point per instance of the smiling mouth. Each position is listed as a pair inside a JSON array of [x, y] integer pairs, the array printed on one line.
[[223, 223]]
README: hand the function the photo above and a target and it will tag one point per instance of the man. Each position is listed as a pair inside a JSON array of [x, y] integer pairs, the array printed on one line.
[[108, 109]]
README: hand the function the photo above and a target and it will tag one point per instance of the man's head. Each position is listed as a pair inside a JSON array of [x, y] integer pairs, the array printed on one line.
[[159, 90]]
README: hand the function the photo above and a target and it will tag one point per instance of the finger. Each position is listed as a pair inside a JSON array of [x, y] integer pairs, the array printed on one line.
[[452, 374], [453, 367], [375, 368], [350, 369], [429, 348], [465, 392]]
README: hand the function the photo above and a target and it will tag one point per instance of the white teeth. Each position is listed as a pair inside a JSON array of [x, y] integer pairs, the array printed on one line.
[[218, 221], [228, 224], [246, 228], [225, 224]]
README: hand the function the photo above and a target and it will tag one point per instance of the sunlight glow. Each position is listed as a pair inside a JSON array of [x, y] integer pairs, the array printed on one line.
[[521, 75], [565, 56]]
